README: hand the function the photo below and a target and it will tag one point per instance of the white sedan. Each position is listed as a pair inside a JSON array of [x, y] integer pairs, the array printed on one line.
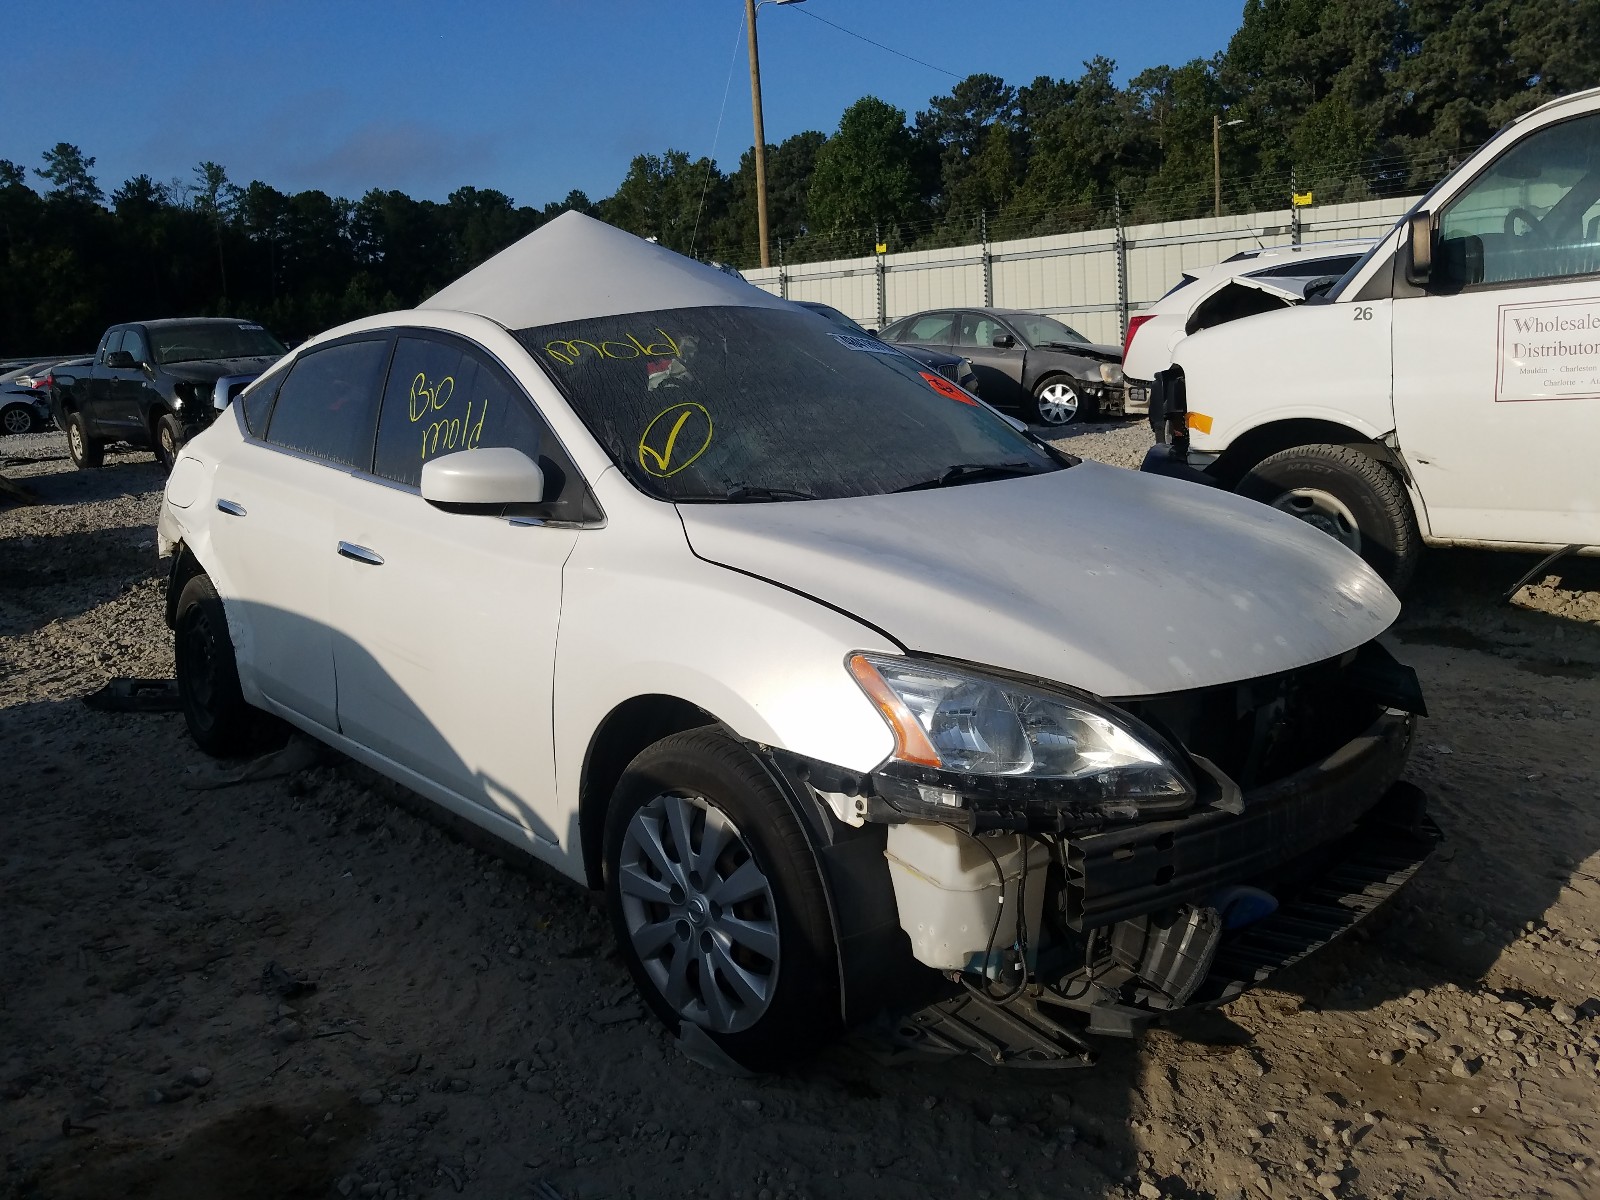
[[752, 624]]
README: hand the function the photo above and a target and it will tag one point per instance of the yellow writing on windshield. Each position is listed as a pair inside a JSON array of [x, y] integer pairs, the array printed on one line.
[[567, 353], [674, 438]]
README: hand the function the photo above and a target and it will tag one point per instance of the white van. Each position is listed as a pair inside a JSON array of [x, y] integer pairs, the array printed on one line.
[[1447, 390]]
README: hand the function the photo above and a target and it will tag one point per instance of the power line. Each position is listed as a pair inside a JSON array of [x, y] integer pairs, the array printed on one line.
[[711, 158], [862, 37]]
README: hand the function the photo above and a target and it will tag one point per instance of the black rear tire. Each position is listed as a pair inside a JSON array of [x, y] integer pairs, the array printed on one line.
[[168, 441], [708, 766], [86, 452], [220, 721], [1300, 480]]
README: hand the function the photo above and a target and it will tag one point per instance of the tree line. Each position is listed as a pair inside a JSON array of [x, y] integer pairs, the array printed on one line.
[[1349, 99]]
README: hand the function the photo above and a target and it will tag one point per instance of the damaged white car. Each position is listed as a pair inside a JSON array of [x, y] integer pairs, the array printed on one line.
[[753, 625]]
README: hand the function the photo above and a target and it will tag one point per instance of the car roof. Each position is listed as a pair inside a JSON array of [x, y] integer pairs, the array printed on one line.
[[167, 322], [575, 267], [1560, 102]]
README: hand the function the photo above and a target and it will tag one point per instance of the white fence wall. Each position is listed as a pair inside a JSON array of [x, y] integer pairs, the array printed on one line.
[[1072, 275]]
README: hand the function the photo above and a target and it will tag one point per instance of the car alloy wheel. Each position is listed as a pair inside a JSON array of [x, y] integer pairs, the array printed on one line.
[[699, 912], [16, 420], [1324, 511], [75, 441], [1058, 403]]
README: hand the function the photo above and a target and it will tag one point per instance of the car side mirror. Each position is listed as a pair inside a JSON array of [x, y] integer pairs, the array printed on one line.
[[874, 333], [1419, 244], [121, 360], [491, 476], [1003, 341]]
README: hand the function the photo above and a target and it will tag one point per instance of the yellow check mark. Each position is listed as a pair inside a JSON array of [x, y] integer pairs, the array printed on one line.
[[665, 456]]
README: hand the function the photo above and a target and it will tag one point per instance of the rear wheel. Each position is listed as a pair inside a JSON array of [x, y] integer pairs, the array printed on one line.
[[16, 418], [1058, 401], [717, 902], [1350, 496], [168, 440], [86, 452], [220, 721]]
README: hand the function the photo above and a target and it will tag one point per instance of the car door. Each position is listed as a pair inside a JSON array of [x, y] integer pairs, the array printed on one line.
[[275, 522], [1497, 360], [132, 389], [999, 368], [97, 400], [445, 621]]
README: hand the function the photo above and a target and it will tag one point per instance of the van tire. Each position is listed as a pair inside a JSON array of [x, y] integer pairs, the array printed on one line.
[[712, 771], [1363, 486], [86, 452]]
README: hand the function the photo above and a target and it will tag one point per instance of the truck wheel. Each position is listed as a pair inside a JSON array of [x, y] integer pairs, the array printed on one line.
[[1057, 401], [16, 418], [1348, 495], [717, 901], [220, 721], [86, 452], [168, 441]]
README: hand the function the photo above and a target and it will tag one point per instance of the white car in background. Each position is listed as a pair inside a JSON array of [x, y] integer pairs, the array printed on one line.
[[1250, 282], [749, 622]]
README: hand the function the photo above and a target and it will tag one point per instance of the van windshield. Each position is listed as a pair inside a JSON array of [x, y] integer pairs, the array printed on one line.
[[733, 403]]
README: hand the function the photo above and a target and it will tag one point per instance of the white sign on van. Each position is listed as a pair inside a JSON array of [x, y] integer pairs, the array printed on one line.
[[1549, 351]]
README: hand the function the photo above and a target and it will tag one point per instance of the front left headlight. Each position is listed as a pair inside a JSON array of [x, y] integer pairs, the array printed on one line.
[[960, 734], [1110, 373]]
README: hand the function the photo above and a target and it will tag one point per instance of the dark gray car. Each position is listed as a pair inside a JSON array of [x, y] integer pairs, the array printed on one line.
[[954, 367], [1048, 371]]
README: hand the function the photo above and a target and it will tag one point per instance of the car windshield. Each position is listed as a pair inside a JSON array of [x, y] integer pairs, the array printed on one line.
[[212, 339], [1041, 331], [734, 404]]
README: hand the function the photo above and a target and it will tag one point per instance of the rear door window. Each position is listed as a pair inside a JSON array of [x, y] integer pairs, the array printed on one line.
[[328, 404]]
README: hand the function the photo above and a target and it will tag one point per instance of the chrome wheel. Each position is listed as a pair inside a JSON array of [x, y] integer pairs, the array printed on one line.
[[699, 912], [1058, 403], [16, 420], [1324, 511], [75, 439]]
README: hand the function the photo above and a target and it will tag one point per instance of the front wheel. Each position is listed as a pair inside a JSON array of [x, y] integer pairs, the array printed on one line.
[[1059, 402], [1350, 496], [717, 901], [16, 418], [169, 440], [219, 719], [86, 452]]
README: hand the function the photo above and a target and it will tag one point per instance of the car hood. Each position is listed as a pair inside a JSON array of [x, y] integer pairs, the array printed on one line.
[[926, 356], [1118, 583], [213, 369], [1089, 350]]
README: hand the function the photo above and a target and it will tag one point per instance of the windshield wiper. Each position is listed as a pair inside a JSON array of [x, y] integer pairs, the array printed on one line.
[[972, 473], [746, 491]]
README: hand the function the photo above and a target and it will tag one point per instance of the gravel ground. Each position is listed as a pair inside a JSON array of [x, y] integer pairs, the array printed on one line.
[[299, 987]]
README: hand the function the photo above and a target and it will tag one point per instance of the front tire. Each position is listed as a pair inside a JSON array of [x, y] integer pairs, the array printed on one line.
[[1058, 401], [86, 452], [1349, 495], [16, 418], [168, 441], [717, 901], [220, 721]]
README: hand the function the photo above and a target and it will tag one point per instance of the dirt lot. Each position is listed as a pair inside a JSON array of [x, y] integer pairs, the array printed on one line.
[[471, 1030]]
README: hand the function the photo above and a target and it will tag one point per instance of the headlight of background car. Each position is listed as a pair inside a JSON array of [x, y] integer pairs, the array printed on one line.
[[1110, 373], [962, 739]]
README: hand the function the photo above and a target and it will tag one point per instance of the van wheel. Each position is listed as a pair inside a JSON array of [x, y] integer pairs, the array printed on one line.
[[169, 440], [717, 901], [1057, 401], [214, 708], [1348, 495], [86, 452]]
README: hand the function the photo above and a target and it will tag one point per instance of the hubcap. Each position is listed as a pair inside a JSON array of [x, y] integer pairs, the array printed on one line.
[[168, 446], [16, 421], [1058, 404], [76, 437], [1324, 511], [699, 912]]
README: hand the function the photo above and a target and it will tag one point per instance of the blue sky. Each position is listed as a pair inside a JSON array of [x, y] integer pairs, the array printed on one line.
[[533, 97]]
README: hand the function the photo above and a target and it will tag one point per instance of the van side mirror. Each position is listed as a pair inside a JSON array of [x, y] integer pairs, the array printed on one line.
[[120, 360], [1419, 242], [1003, 341], [491, 476]]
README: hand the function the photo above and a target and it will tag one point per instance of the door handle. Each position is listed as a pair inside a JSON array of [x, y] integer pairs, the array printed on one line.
[[229, 507], [361, 554]]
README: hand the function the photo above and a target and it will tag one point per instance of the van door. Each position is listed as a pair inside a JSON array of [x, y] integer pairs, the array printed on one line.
[[1497, 360]]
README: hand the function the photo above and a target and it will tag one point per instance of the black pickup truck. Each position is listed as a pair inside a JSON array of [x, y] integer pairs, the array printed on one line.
[[156, 384]]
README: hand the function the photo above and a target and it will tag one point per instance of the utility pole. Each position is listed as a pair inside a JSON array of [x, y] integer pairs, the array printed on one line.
[[761, 136]]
